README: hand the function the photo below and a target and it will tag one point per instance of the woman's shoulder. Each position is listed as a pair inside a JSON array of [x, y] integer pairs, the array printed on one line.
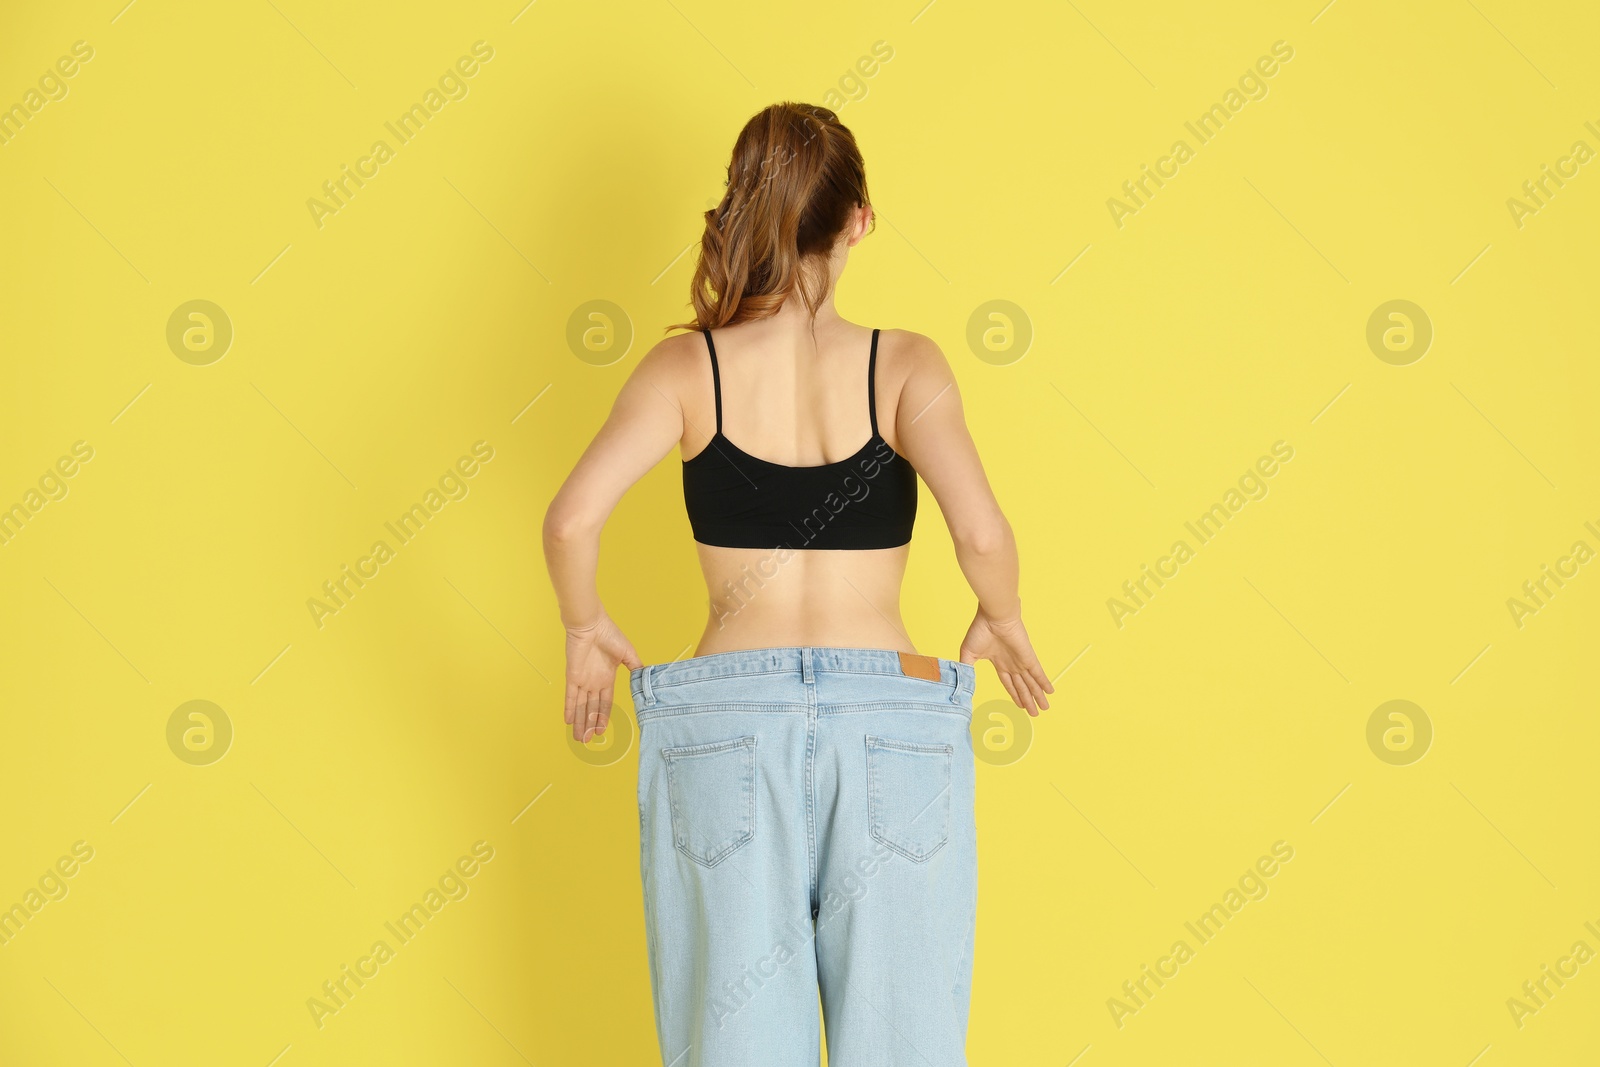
[[906, 356], [678, 348], [675, 359]]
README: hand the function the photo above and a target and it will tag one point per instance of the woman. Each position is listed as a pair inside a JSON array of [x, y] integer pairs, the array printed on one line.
[[806, 779]]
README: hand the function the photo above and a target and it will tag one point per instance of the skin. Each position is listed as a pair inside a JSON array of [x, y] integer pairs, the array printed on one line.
[[793, 392]]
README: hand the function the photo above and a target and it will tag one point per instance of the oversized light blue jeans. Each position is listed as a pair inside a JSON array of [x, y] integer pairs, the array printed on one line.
[[806, 829]]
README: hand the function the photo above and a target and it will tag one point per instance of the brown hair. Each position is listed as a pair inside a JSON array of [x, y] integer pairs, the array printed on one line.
[[795, 176]]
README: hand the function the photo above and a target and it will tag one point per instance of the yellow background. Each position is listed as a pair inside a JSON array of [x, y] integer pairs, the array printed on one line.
[[425, 716]]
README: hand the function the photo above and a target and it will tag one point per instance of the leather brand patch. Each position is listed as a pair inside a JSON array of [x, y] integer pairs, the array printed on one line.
[[919, 666]]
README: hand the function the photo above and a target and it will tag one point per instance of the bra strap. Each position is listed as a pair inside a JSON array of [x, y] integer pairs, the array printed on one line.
[[716, 379], [872, 391]]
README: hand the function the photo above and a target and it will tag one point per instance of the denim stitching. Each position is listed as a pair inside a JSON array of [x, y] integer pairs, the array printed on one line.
[[660, 711], [878, 706], [648, 876], [911, 746], [730, 674]]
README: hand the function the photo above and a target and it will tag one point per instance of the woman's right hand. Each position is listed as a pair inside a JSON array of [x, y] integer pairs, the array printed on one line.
[[1005, 644]]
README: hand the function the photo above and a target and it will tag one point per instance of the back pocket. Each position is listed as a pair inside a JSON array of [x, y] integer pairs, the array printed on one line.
[[712, 792], [908, 795]]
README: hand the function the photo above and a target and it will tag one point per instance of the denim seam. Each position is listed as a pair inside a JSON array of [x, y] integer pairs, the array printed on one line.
[[917, 747], [704, 750], [693, 678], [861, 707], [810, 685], [660, 711], [649, 877]]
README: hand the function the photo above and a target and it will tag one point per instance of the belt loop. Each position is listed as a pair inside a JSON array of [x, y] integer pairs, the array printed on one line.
[[955, 689], [808, 673], [644, 687]]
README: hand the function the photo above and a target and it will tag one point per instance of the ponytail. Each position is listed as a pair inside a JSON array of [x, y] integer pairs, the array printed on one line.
[[795, 176]]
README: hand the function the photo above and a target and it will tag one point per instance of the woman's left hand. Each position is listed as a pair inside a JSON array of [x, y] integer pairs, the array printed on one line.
[[593, 654]]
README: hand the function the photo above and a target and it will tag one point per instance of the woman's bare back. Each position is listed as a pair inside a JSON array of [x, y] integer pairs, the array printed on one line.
[[800, 401]]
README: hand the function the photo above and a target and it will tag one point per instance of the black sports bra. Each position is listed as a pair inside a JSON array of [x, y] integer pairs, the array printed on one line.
[[736, 500]]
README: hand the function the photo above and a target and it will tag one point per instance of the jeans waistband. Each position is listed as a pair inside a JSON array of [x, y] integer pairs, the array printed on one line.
[[801, 663]]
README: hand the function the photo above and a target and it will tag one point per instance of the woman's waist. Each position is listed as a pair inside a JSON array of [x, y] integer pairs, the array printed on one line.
[[749, 629], [829, 599]]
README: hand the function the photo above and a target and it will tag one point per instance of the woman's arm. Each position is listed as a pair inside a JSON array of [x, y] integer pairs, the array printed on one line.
[[644, 424], [932, 430]]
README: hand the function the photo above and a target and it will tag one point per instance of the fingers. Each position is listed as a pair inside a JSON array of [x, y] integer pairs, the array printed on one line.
[[1019, 682], [586, 706], [1011, 690], [1037, 690], [1041, 685], [1026, 688], [591, 714], [1020, 692], [968, 655], [580, 717], [1033, 678], [580, 714], [1039, 676]]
